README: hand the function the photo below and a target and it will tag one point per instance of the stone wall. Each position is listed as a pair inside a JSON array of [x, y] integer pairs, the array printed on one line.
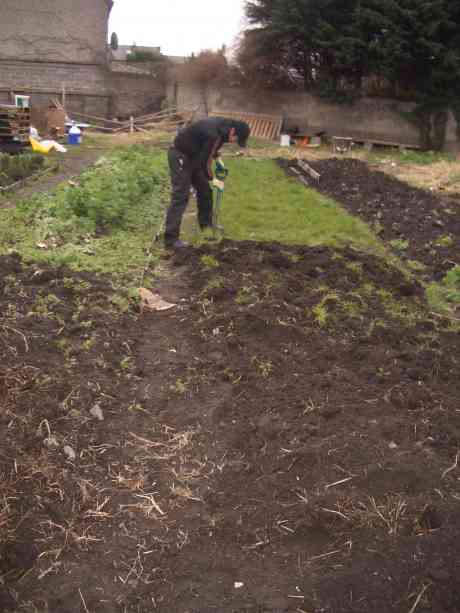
[[73, 31], [133, 94], [368, 118]]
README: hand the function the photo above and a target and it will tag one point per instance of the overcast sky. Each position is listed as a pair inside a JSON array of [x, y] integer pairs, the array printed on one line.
[[179, 27]]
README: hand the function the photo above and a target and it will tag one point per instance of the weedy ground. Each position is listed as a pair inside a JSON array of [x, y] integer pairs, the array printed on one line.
[[104, 221]]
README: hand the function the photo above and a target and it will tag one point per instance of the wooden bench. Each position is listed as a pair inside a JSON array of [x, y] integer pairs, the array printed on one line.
[[342, 144], [369, 144]]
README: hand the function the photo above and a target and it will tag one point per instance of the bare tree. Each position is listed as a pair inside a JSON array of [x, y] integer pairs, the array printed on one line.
[[157, 64], [205, 71]]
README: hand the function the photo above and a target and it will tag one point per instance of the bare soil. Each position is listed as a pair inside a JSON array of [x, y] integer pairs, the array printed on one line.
[[286, 439], [420, 226]]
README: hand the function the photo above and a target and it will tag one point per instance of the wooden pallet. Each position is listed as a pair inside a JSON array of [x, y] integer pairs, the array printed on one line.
[[267, 127], [309, 170], [14, 123]]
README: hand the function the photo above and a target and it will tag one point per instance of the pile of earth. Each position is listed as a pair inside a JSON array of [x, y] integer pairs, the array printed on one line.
[[422, 227]]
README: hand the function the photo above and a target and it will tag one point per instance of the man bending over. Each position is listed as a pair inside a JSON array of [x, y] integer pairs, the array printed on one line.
[[190, 164]]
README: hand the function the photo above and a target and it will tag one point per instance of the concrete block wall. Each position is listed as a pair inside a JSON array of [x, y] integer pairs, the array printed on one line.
[[35, 76], [89, 88], [368, 118], [133, 94]]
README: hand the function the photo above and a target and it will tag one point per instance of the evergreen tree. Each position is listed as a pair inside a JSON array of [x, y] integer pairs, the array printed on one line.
[[114, 41], [336, 46], [417, 51]]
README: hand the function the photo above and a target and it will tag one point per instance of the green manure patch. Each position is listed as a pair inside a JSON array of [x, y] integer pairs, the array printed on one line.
[[261, 203]]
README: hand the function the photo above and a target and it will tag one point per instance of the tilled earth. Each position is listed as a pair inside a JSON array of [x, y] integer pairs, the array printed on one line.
[[285, 439], [422, 227]]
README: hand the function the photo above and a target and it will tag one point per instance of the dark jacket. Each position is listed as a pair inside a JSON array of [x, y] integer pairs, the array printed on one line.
[[201, 141]]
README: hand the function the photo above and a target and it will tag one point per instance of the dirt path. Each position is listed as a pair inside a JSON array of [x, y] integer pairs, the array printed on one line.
[[282, 441]]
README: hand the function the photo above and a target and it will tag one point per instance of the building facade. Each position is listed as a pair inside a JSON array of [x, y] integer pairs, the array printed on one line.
[[48, 47]]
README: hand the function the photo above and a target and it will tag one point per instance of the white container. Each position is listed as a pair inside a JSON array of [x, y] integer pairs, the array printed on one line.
[[74, 136], [285, 140]]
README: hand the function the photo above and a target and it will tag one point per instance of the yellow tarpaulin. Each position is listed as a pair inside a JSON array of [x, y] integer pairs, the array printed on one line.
[[39, 147], [45, 146]]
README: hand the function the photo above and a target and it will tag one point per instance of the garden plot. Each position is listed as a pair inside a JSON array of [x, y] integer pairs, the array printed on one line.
[[17, 169], [62, 167], [292, 423], [420, 227], [285, 439]]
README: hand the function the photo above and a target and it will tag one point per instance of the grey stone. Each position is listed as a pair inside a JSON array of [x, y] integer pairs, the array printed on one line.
[[51, 442], [70, 453], [97, 413]]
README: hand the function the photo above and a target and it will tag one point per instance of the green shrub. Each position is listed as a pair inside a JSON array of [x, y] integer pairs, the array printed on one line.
[[105, 193], [14, 168], [104, 197]]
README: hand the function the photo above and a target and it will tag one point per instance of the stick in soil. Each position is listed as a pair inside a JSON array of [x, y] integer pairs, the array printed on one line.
[[324, 555], [453, 467], [342, 515], [338, 483], [20, 333], [83, 601], [419, 597], [449, 317]]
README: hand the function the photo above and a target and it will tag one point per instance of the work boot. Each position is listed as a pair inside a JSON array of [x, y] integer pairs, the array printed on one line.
[[177, 245], [208, 233]]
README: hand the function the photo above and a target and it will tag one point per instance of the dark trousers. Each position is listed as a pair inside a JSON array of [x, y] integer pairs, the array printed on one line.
[[184, 175]]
